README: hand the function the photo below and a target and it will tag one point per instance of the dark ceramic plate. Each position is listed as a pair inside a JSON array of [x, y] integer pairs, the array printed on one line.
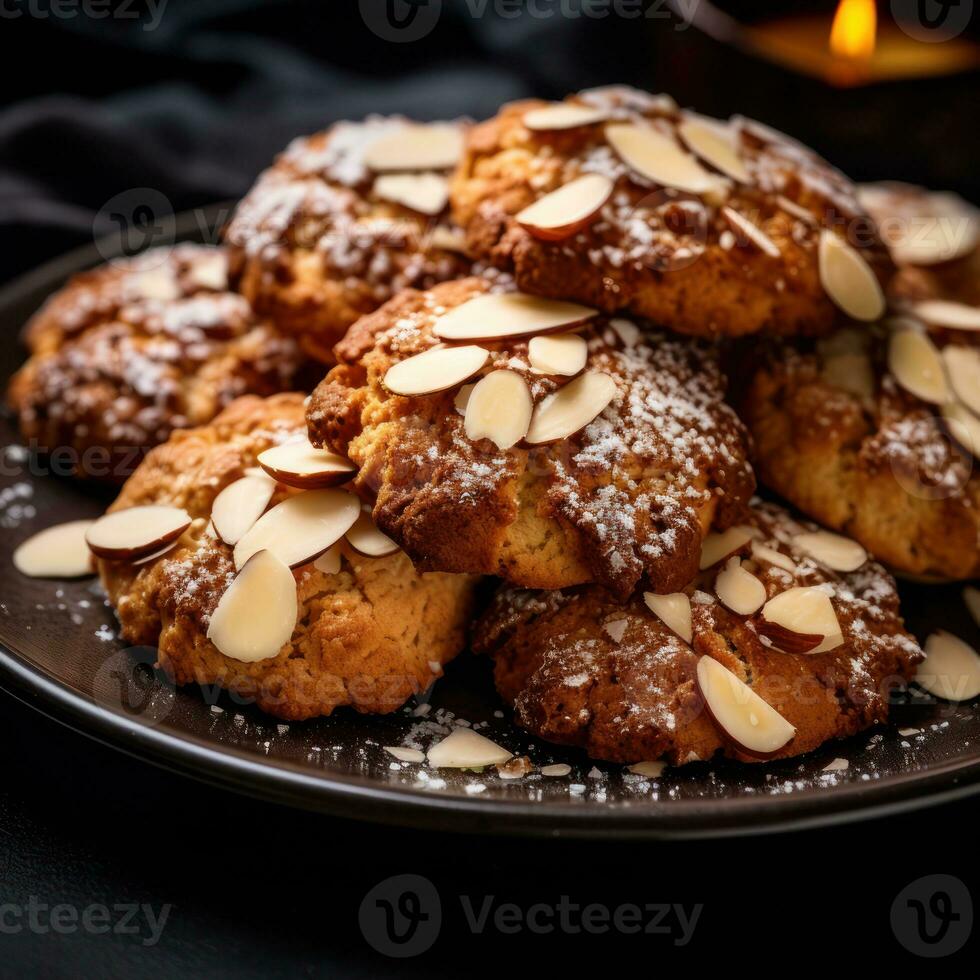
[[58, 652]]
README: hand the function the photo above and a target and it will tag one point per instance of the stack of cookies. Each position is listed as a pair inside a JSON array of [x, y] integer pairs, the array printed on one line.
[[560, 347]]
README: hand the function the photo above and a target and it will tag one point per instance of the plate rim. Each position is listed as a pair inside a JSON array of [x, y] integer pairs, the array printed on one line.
[[357, 798]]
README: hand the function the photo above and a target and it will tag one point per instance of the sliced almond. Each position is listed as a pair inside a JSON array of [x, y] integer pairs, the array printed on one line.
[[494, 316], [462, 398], [158, 284], [300, 464], [567, 210], [436, 146], [674, 611], [425, 193], [801, 620], [448, 239], [946, 228], [833, 550], [796, 210], [963, 370], [745, 229], [563, 115], [848, 279], [499, 409], [615, 629], [435, 370], [165, 550], [240, 505], [739, 589], [971, 596], [751, 723], [718, 546], [628, 332], [556, 769], [564, 353], [464, 748], [917, 366], [652, 770], [301, 528], [963, 426], [210, 271], [951, 670], [570, 409], [136, 532], [56, 552], [365, 538], [256, 616], [845, 362], [329, 561], [762, 552], [852, 373], [403, 754], [659, 158], [716, 144], [944, 313]]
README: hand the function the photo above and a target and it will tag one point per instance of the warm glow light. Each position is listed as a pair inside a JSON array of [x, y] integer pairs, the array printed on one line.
[[852, 35]]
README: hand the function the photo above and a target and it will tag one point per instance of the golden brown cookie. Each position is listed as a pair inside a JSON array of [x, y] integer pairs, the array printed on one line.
[[342, 221], [368, 636], [611, 472], [127, 353], [584, 669], [707, 228], [856, 432]]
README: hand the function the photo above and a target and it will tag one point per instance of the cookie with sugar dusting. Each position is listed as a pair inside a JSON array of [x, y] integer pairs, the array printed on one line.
[[129, 352], [344, 219], [876, 433], [583, 669], [620, 200], [499, 433], [369, 633]]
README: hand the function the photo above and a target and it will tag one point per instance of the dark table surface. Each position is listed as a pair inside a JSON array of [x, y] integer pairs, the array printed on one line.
[[236, 887]]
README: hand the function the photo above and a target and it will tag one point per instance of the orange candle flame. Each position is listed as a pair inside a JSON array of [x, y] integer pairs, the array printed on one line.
[[852, 35]]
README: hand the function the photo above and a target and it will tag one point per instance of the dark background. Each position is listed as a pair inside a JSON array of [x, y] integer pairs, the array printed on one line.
[[193, 108]]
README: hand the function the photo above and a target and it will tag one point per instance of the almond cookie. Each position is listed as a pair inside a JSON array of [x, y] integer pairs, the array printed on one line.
[[768, 652], [127, 353], [501, 433], [361, 631], [875, 433], [343, 220], [620, 200]]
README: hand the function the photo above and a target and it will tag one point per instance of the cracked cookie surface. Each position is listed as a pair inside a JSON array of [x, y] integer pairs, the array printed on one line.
[[628, 497]]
